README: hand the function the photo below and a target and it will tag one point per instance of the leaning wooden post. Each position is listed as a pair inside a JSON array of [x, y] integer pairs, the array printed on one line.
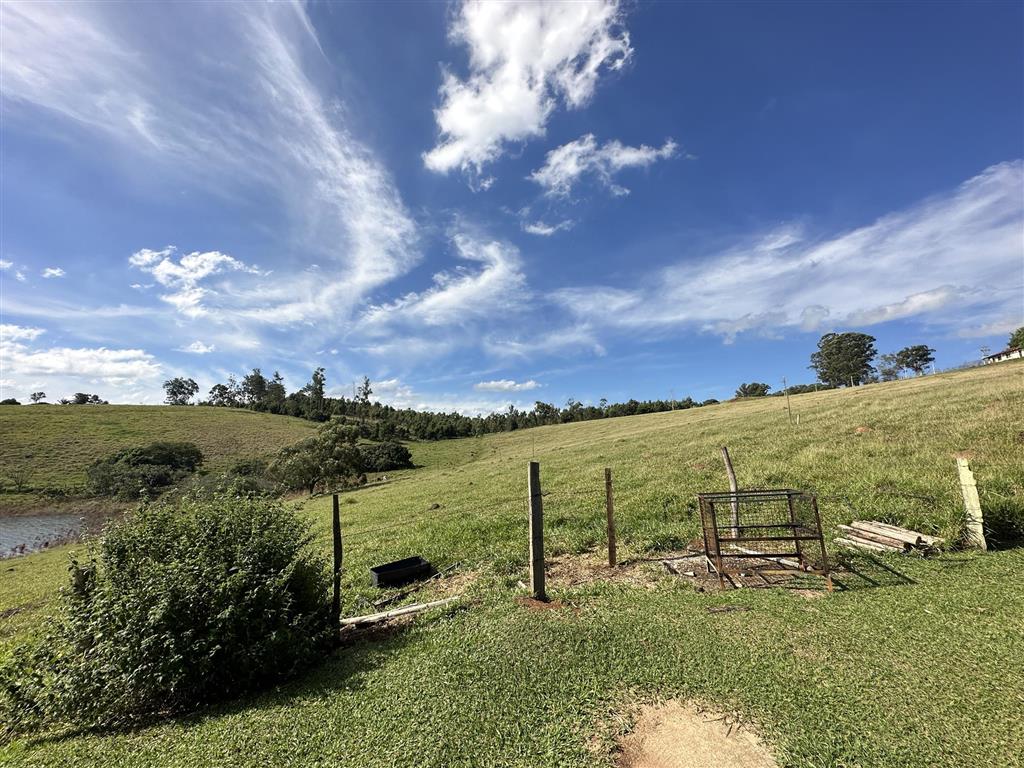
[[972, 505], [336, 600], [735, 519], [610, 509], [536, 533]]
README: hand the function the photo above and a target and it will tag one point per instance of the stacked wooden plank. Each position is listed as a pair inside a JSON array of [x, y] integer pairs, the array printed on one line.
[[873, 536]]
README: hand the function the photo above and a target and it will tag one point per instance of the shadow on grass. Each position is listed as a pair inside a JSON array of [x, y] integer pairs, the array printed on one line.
[[344, 666], [863, 570]]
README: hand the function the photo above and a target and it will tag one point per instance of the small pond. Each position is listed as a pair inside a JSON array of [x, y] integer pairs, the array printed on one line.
[[21, 534]]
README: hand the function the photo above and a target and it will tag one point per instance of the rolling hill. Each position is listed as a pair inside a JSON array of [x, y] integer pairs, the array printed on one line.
[[909, 663], [54, 444]]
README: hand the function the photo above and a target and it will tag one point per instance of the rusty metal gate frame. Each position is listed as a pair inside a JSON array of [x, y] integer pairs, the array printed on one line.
[[794, 531]]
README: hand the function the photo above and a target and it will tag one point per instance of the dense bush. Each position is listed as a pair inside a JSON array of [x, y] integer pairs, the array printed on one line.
[[331, 458], [248, 477], [180, 605], [131, 472], [384, 457]]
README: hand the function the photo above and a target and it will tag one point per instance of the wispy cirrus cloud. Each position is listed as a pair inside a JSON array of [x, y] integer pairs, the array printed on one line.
[[953, 257], [525, 59], [565, 166], [251, 118], [464, 295], [543, 229]]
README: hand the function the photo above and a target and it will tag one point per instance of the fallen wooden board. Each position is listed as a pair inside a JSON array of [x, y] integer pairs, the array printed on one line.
[[914, 538], [864, 544], [870, 535], [373, 618]]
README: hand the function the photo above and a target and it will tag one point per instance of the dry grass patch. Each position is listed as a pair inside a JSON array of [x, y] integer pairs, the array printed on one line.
[[682, 735]]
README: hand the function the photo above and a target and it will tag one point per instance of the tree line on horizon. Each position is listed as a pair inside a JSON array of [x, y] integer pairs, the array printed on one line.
[[382, 422], [842, 359]]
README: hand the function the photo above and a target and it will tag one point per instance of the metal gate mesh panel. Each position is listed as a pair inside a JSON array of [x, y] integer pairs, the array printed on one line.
[[771, 530]]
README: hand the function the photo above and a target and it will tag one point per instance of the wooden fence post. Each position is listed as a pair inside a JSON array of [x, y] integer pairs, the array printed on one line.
[[610, 509], [336, 600], [972, 505], [536, 533], [735, 518]]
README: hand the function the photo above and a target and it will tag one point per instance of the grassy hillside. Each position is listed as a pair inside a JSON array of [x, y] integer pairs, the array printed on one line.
[[915, 665], [56, 443]]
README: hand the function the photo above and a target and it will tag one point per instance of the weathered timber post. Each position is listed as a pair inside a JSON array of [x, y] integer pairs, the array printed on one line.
[[735, 519], [536, 533], [610, 509], [785, 388], [336, 600], [972, 505]]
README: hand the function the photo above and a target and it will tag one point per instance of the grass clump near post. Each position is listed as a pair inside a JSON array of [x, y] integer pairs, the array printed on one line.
[[179, 605]]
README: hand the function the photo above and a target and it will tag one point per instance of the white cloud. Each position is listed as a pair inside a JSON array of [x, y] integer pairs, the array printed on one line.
[[1003, 327], [20, 276], [252, 116], [52, 272], [5, 264], [184, 275], [112, 366], [566, 165], [525, 58], [459, 297], [506, 385], [575, 339], [10, 332], [947, 259], [546, 230], [199, 348], [400, 395]]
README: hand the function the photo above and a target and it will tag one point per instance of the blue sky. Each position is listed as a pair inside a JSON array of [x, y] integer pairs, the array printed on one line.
[[478, 204]]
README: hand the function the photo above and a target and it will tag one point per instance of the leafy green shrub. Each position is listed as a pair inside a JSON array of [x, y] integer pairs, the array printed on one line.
[[180, 604], [249, 477], [383, 457], [330, 458], [131, 472]]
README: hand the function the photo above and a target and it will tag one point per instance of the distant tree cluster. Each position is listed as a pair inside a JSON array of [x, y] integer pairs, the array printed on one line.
[[380, 422], [79, 398], [845, 359], [83, 398], [753, 389]]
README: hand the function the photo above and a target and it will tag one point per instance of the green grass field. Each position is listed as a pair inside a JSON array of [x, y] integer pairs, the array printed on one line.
[[922, 668], [54, 444]]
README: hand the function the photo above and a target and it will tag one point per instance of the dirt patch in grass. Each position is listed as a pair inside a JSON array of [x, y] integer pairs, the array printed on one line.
[[567, 570], [678, 735], [540, 605]]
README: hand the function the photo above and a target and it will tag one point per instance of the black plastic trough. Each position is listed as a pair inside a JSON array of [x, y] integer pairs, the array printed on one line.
[[401, 572]]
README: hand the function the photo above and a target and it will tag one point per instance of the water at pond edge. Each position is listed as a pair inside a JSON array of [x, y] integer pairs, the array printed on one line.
[[22, 534]]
